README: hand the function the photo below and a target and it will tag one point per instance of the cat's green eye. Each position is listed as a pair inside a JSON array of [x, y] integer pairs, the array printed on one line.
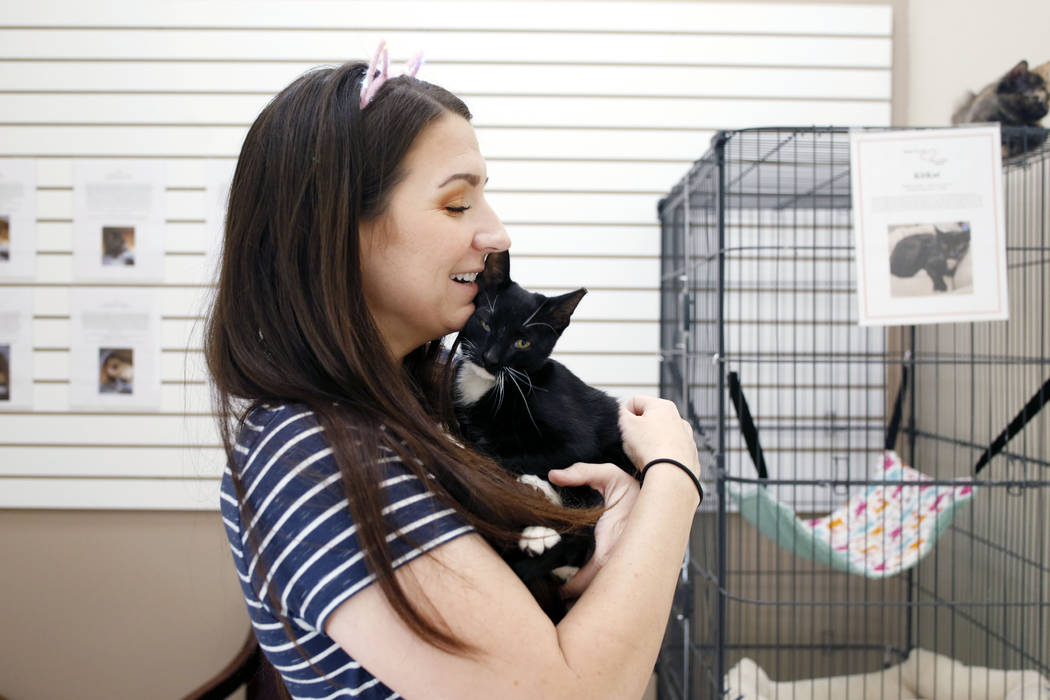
[[521, 344], [486, 326]]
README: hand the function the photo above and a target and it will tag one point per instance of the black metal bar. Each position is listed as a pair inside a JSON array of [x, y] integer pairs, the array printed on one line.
[[720, 466], [1034, 405]]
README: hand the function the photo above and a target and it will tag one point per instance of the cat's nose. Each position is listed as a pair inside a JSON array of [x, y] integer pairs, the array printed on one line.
[[491, 358]]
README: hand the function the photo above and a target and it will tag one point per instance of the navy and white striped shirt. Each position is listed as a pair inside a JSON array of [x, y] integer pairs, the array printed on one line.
[[302, 526]]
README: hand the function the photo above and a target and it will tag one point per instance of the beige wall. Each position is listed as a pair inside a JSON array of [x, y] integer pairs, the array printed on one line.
[[105, 605], [959, 45]]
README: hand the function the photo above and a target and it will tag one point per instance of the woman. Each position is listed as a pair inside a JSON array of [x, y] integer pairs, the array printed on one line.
[[356, 223]]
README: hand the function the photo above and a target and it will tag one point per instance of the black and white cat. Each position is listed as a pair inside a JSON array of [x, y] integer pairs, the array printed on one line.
[[531, 413], [938, 253]]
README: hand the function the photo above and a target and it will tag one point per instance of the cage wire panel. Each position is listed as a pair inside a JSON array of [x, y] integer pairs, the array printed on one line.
[[759, 278]]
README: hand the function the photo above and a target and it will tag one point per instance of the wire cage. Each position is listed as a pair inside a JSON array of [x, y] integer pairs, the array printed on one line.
[[759, 280]]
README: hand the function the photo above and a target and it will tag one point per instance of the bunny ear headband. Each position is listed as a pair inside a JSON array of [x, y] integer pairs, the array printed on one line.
[[376, 75]]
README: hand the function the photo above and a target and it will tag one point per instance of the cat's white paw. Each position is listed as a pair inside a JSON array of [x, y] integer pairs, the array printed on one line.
[[543, 486], [565, 572], [536, 540]]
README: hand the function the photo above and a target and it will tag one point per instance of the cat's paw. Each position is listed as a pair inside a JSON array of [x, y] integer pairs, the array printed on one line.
[[565, 572], [543, 486], [536, 540]]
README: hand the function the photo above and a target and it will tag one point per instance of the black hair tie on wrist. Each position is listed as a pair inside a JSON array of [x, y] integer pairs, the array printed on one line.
[[687, 470]]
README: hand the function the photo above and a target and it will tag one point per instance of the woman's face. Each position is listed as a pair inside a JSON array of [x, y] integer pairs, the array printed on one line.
[[438, 227]]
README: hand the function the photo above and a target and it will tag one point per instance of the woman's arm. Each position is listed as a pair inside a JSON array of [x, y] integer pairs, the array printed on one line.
[[605, 647]]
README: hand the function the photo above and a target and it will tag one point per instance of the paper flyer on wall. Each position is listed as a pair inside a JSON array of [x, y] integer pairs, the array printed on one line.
[[115, 349], [929, 225], [118, 220], [218, 176], [17, 218], [16, 349]]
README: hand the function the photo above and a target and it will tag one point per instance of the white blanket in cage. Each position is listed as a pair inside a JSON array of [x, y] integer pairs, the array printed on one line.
[[925, 675]]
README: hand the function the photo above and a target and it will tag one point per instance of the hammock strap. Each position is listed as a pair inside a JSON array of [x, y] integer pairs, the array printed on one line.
[[747, 426], [750, 432], [898, 409], [1034, 405]]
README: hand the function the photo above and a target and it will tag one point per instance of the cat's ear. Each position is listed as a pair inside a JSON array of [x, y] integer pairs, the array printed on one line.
[[1017, 71], [496, 274], [557, 310]]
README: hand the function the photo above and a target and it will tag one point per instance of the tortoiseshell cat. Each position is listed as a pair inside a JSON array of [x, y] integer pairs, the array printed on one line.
[[532, 414], [1019, 98], [1043, 71], [938, 253]]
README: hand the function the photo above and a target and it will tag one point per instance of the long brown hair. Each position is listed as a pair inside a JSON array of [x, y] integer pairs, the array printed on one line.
[[289, 321]]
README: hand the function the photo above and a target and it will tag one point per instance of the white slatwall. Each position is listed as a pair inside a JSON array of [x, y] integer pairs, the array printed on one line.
[[588, 112]]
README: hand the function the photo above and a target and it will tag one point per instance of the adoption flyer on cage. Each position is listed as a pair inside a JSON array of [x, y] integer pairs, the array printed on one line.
[[929, 225]]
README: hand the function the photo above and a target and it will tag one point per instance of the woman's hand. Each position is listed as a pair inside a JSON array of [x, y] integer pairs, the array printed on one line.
[[652, 428], [619, 490]]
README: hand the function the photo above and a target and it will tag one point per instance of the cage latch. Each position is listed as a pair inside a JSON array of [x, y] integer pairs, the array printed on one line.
[[684, 600]]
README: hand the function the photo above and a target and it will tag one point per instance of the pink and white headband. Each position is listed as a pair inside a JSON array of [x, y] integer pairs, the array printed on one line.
[[376, 76]]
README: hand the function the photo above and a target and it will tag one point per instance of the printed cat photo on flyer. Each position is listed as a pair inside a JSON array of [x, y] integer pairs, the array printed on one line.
[[5, 239], [5, 372], [118, 245], [930, 259], [116, 371]]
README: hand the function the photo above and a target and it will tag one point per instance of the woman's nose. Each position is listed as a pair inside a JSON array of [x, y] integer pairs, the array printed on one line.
[[493, 239]]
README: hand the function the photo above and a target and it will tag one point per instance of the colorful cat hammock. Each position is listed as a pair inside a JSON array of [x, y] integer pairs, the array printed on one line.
[[888, 528], [879, 533]]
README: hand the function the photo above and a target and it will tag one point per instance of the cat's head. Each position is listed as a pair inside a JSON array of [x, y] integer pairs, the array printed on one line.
[[113, 243], [1023, 94], [511, 326], [954, 243]]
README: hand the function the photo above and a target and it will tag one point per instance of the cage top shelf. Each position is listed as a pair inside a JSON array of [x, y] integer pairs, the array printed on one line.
[[769, 168], [785, 168]]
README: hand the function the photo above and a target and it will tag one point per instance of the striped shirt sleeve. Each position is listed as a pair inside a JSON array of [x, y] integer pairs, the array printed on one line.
[[304, 534]]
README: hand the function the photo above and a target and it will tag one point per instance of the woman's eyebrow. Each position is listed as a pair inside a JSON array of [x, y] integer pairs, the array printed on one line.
[[469, 177]]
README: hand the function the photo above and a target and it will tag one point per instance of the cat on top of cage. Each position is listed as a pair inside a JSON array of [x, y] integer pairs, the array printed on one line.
[[938, 254], [1043, 71], [1018, 98]]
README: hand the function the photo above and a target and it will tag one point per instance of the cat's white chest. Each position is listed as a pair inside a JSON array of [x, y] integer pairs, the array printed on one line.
[[472, 383]]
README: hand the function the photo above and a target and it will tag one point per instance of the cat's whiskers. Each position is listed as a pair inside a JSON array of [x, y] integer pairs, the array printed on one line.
[[525, 376], [517, 373], [526, 322], [540, 323], [469, 348], [499, 390], [510, 373]]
